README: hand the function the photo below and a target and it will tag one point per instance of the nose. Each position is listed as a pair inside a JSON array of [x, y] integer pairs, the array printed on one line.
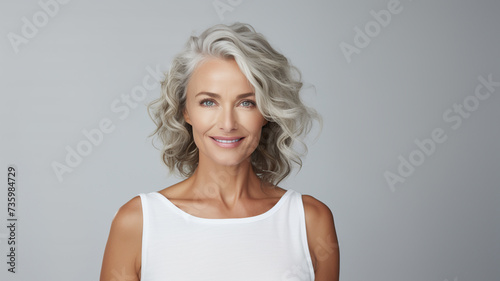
[[227, 120]]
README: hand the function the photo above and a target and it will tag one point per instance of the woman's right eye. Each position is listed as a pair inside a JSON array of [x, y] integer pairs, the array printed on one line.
[[207, 103]]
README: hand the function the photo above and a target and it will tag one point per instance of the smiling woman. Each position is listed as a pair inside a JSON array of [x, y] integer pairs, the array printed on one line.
[[228, 117], [221, 109]]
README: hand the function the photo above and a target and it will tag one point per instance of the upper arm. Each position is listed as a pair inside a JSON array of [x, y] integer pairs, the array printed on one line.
[[121, 260], [322, 239]]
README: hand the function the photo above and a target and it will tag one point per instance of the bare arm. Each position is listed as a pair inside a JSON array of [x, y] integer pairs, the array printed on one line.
[[122, 256], [322, 239]]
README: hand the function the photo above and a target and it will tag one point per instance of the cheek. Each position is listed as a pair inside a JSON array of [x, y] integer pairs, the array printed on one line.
[[255, 122], [199, 128], [254, 125], [199, 120]]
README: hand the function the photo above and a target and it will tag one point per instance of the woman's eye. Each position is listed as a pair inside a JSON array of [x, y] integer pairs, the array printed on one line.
[[207, 103], [247, 103]]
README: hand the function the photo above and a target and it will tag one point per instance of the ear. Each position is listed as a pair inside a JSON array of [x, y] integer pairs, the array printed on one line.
[[186, 116]]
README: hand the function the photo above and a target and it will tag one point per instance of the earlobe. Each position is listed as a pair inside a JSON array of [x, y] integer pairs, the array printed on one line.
[[264, 122]]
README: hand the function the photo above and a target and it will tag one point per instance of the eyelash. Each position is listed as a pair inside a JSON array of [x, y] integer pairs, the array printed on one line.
[[252, 103], [203, 103]]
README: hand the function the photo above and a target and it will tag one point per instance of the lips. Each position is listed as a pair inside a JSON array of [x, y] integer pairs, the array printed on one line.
[[227, 142]]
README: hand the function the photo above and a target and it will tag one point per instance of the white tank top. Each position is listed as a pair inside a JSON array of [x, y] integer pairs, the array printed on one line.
[[179, 246]]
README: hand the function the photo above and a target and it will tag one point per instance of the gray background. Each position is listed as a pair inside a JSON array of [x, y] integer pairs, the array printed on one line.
[[441, 223]]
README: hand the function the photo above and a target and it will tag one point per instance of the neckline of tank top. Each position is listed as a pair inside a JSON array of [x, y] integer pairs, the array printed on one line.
[[227, 220]]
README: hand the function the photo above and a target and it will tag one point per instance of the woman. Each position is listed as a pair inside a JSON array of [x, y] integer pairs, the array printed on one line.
[[229, 116]]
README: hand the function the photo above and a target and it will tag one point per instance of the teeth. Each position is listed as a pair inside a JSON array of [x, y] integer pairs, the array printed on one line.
[[227, 141]]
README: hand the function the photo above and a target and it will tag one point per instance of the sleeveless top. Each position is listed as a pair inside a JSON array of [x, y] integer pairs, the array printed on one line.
[[179, 246]]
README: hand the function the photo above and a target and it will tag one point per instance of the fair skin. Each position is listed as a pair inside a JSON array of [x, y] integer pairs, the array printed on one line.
[[226, 126]]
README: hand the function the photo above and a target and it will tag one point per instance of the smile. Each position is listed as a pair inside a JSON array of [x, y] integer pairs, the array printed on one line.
[[227, 141]]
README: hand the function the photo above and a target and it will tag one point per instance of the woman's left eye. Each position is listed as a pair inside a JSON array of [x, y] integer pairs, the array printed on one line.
[[247, 103]]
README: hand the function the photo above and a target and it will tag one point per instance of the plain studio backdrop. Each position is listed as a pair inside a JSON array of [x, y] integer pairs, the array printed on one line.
[[408, 159]]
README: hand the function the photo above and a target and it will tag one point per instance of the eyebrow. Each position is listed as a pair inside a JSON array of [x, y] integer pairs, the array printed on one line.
[[213, 95]]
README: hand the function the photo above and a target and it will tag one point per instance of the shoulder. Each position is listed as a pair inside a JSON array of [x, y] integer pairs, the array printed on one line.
[[321, 237], [129, 215], [316, 210], [123, 249], [126, 228], [319, 218]]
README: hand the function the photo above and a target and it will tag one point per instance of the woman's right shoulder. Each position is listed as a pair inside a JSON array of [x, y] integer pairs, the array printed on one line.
[[129, 215], [123, 249]]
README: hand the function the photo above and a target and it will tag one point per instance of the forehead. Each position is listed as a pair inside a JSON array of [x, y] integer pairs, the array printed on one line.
[[221, 76]]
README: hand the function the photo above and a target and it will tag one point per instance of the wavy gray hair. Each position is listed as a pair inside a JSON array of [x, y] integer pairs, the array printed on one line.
[[276, 83]]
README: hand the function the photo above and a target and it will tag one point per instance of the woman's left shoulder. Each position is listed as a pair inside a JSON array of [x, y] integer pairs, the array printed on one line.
[[315, 209], [321, 238]]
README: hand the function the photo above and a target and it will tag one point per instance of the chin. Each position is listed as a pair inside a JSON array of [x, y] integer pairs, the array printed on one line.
[[230, 161]]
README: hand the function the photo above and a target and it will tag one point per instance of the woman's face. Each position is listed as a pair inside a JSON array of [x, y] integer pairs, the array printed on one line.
[[220, 107]]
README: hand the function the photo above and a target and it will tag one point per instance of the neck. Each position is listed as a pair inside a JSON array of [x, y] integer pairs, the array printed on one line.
[[225, 183]]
